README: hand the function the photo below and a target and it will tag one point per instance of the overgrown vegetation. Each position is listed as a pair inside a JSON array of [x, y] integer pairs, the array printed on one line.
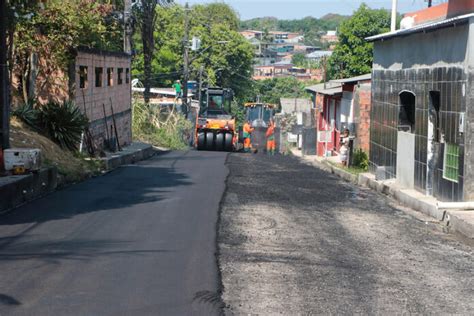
[[63, 123], [161, 127], [72, 166], [360, 160]]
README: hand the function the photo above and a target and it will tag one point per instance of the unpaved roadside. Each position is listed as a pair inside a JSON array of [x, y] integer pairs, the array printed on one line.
[[296, 240]]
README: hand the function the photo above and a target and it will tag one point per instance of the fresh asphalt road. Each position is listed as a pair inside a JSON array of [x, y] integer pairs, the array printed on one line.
[[138, 241]]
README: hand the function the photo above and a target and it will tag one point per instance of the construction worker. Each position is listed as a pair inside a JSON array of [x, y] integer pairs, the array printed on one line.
[[270, 134], [247, 134]]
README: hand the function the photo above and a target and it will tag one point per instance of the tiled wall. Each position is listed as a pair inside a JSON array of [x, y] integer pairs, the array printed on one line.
[[386, 86], [92, 99]]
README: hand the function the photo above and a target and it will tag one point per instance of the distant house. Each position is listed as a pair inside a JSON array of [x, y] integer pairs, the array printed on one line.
[[338, 105], [318, 55], [330, 37], [422, 123]]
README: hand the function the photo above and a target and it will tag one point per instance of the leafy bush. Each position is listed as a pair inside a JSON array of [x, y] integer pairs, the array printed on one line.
[[360, 160], [27, 113], [62, 123]]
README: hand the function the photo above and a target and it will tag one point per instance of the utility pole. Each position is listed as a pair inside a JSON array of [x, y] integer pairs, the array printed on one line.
[[430, 3], [127, 29], [186, 61], [201, 70], [393, 26], [4, 84]]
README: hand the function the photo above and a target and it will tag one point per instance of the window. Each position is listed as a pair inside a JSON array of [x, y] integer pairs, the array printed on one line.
[[98, 76], [82, 77], [406, 117], [127, 76], [110, 77], [451, 162], [119, 75]]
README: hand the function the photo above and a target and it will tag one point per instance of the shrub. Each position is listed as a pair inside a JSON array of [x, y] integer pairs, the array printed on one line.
[[27, 113], [62, 123], [360, 160]]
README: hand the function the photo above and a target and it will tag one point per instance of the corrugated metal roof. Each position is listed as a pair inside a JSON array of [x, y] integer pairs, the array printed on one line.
[[354, 79], [422, 28], [331, 88]]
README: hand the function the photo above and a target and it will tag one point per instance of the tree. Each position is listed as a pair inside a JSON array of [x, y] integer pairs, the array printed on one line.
[[225, 54], [271, 90], [146, 14], [299, 60], [353, 55], [51, 32]]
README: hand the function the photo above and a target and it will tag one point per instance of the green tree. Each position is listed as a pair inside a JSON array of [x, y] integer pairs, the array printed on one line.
[[51, 32], [353, 55], [225, 54], [271, 90], [299, 60]]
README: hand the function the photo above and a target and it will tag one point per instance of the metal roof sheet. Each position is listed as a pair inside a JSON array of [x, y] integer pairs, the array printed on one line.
[[422, 28]]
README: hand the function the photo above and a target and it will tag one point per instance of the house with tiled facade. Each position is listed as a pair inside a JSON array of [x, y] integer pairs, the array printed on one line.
[[422, 119]]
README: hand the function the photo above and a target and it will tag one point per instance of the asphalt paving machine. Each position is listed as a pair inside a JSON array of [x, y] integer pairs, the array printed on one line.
[[215, 125]]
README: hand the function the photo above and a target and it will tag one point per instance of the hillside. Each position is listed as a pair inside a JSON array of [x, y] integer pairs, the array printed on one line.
[[308, 24]]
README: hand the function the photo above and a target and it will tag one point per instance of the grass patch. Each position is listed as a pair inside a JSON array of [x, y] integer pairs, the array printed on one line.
[[161, 127]]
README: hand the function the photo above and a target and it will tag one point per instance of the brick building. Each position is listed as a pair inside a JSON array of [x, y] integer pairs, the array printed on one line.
[[102, 81], [341, 104]]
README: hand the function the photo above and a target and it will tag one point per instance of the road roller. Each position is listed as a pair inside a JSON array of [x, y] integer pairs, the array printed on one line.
[[215, 126]]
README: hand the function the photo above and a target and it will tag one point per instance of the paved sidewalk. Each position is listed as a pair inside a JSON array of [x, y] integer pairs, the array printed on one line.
[[455, 220]]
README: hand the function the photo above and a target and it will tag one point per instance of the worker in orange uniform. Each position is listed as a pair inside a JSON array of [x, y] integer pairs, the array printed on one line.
[[270, 134], [247, 134]]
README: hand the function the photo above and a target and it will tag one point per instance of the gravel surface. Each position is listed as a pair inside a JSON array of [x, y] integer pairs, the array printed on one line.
[[296, 240]]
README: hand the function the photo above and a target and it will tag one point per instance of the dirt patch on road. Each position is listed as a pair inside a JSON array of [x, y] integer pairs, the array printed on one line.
[[296, 240]]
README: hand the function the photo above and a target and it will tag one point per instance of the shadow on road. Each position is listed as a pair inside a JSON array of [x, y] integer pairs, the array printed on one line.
[[8, 300], [125, 187]]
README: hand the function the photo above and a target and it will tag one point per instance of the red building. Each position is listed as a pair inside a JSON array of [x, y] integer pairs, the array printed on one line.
[[342, 104]]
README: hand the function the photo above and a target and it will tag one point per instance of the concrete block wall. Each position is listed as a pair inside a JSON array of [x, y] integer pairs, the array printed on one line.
[[92, 100]]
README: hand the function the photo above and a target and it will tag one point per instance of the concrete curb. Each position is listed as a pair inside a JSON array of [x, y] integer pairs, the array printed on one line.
[[458, 221], [461, 222], [136, 152], [17, 190]]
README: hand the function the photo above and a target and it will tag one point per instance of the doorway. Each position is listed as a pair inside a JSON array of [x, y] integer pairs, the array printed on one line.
[[434, 135], [406, 139]]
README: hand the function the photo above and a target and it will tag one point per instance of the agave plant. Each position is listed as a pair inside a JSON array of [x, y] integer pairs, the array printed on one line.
[[63, 123], [27, 113]]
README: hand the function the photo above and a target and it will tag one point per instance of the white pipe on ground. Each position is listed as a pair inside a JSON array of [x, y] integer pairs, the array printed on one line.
[[455, 205], [393, 27]]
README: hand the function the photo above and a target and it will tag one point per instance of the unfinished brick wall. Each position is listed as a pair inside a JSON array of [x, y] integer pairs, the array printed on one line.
[[94, 91], [362, 116]]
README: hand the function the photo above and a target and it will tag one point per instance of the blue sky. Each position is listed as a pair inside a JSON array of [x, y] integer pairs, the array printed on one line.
[[294, 9]]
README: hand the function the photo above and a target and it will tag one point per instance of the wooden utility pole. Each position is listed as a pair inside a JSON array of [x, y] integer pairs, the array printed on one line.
[[186, 61], [4, 82], [127, 27]]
